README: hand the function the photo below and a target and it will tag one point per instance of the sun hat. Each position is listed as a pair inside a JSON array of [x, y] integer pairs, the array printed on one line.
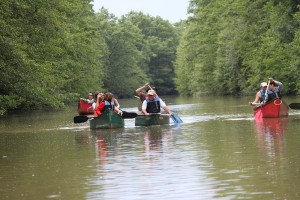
[[151, 92], [263, 84]]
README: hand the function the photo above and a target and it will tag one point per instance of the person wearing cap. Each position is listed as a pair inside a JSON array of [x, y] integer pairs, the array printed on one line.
[[153, 103], [141, 94], [273, 92], [90, 100], [260, 95]]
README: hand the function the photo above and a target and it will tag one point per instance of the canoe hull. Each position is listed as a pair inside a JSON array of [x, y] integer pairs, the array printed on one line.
[[85, 108], [276, 108], [107, 120], [154, 119]]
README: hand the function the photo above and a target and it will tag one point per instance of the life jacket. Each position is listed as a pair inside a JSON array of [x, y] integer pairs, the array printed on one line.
[[272, 95], [153, 106], [108, 105], [262, 96]]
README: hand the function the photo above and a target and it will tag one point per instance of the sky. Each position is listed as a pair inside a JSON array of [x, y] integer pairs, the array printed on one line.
[[172, 10]]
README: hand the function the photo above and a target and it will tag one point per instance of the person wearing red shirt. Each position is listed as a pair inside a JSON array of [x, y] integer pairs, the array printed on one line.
[[108, 103]]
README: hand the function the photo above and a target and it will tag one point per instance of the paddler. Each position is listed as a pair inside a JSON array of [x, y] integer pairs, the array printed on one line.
[[260, 95], [153, 103], [142, 94], [273, 92]]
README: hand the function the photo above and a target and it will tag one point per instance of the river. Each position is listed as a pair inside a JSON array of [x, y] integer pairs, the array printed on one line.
[[219, 152]]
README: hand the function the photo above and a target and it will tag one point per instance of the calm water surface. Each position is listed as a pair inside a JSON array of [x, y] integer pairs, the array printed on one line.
[[219, 152]]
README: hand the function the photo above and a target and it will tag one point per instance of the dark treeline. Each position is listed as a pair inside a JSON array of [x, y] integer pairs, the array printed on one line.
[[230, 46], [53, 52]]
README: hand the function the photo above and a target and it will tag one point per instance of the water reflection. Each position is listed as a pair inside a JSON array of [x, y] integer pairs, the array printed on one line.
[[83, 137], [270, 132], [274, 127], [106, 141], [157, 141]]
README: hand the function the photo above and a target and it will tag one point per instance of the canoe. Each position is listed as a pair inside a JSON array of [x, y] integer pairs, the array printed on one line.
[[153, 119], [84, 108], [107, 120], [276, 108]]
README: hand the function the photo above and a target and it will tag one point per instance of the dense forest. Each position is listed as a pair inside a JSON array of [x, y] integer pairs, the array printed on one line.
[[54, 52], [230, 46]]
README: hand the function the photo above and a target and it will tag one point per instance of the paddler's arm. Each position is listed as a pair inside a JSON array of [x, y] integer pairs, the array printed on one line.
[[258, 95], [139, 90], [98, 100], [164, 106], [144, 107], [277, 83], [117, 103], [117, 110]]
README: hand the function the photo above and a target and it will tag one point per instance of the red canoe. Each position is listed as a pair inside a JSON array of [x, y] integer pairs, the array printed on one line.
[[85, 108], [276, 108]]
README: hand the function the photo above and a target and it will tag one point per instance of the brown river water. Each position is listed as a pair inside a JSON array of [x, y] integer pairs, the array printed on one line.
[[219, 152]]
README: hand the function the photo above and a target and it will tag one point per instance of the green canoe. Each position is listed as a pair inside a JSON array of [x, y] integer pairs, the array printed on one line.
[[107, 120], [153, 119]]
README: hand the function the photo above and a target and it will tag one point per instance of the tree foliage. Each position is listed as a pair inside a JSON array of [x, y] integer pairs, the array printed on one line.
[[53, 52], [229, 47], [159, 43]]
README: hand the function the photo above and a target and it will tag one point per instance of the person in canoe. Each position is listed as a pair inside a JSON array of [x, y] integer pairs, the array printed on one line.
[[90, 99], [153, 103], [108, 103], [260, 95], [273, 92], [142, 95], [99, 98]]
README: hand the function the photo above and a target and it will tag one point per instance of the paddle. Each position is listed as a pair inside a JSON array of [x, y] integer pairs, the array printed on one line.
[[256, 104], [128, 115], [266, 97], [84, 118], [175, 118], [295, 106], [81, 118]]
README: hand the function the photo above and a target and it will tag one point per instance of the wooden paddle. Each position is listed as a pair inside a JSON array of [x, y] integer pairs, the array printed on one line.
[[175, 118]]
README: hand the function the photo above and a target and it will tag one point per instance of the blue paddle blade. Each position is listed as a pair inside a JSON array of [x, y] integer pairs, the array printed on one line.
[[176, 118]]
